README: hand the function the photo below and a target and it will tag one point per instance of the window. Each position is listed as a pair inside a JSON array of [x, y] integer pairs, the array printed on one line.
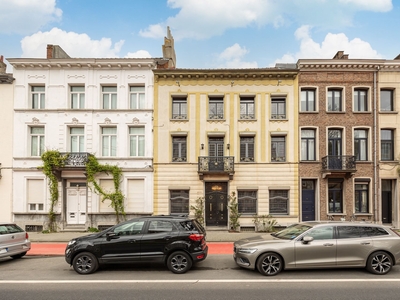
[[246, 108], [179, 108], [279, 202], [216, 108], [160, 226], [179, 149], [387, 147], [361, 198], [334, 100], [131, 228], [278, 149], [246, 149], [361, 144], [387, 100], [360, 100], [77, 135], [109, 141], [335, 194], [247, 202], [307, 100], [107, 185], [321, 233], [136, 192], [179, 201], [109, 96], [278, 108], [38, 97], [136, 97], [37, 141], [307, 144], [77, 94], [35, 194], [136, 141]]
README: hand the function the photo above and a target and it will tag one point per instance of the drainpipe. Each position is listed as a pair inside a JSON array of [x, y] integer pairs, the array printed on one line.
[[375, 151]]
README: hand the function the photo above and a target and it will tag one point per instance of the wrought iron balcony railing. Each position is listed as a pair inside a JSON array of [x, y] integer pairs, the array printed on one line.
[[76, 159], [345, 163], [216, 164]]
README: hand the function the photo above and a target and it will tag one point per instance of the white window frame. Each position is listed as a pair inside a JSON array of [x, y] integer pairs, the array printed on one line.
[[109, 97], [137, 97], [108, 140], [36, 147], [137, 142], [80, 137], [77, 97], [38, 97]]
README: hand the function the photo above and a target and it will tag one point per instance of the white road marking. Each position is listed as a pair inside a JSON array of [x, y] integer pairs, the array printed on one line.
[[204, 281]]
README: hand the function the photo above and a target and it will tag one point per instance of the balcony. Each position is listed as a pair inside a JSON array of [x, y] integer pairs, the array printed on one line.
[[216, 165], [338, 164], [76, 159]]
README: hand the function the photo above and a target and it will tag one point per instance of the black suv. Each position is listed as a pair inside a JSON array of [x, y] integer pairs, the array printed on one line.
[[177, 241]]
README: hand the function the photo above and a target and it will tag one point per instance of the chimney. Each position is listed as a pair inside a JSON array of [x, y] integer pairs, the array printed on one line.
[[168, 50], [341, 55], [55, 51], [3, 66]]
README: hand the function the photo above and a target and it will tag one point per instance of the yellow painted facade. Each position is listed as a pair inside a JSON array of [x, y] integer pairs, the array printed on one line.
[[261, 174]]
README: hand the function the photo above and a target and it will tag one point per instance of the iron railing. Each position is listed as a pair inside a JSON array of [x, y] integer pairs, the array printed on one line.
[[216, 164], [76, 159], [339, 163]]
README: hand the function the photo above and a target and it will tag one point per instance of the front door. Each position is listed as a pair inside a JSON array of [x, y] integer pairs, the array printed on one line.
[[216, 196], [308, 200], [335, 149], [386, 201], [76, 203]]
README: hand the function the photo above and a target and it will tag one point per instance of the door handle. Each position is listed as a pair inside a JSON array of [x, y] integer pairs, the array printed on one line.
[[132, 241], [365, 243], [328, 245]]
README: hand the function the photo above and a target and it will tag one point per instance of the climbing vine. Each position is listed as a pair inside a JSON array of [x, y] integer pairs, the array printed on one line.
[[53, 160], [116, 198]]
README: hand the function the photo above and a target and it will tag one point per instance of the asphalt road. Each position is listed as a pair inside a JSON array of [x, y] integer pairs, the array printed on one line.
[[218, 277]]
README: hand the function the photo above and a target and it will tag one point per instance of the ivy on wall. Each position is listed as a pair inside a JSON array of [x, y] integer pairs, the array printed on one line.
[[53, 160]]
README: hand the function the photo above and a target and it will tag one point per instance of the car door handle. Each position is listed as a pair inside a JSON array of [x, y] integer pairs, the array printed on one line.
[[328, 245], [365, 243], [132, 241]]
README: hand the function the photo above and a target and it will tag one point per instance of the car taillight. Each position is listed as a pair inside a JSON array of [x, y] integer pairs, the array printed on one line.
[[196, 237], [26, 235]]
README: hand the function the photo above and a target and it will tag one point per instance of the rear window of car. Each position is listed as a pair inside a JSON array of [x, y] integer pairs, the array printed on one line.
[[346, 232], [9, 229], [192, 225], [375, 231]]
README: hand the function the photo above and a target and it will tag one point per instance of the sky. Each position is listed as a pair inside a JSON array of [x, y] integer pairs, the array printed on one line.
[[208, 34]]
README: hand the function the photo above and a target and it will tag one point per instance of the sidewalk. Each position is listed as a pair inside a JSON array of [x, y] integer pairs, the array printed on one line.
[[53, 244]]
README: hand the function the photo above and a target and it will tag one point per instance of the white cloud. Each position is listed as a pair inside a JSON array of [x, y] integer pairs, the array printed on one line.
[[138, 54], [75, 44], [232, 57], [206, 18], [27, 16], [355, 48]]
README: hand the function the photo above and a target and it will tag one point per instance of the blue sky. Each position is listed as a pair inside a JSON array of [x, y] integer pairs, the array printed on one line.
[[207, 33]]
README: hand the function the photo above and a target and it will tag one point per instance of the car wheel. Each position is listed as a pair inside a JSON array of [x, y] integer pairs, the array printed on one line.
[[379, 263], [18, 255], [85, 263], [179, 262], [270, 264]]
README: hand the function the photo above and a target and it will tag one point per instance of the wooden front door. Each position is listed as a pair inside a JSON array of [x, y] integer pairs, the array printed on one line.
[[216, 202]]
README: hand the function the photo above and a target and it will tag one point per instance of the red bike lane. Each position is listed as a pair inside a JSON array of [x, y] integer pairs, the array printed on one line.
[[59, 248]]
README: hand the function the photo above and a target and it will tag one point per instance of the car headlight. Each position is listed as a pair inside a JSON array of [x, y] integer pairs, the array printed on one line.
[[247, 250], [71, 242]]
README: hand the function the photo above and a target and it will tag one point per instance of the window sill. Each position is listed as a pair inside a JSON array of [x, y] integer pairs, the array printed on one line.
[[310, 161], [389, 161], [335, 112], [389, 112], [362, 112], [309, 112]]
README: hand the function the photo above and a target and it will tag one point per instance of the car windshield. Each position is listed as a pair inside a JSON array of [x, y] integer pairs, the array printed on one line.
[[291, 232]]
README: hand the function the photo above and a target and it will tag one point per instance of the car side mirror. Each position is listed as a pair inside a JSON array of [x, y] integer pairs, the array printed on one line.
[[111, 236], [307, 239]]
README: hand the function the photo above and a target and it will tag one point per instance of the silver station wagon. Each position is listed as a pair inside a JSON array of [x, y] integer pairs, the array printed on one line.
[[315, 245], [14, 241]]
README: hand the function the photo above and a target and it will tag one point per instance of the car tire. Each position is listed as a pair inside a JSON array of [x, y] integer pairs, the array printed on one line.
[[179, 262], [379, 263], [85, 263], [16, 256], [270, 264]]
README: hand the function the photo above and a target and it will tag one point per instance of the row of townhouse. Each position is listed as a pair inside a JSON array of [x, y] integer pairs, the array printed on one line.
[[314, 140]]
